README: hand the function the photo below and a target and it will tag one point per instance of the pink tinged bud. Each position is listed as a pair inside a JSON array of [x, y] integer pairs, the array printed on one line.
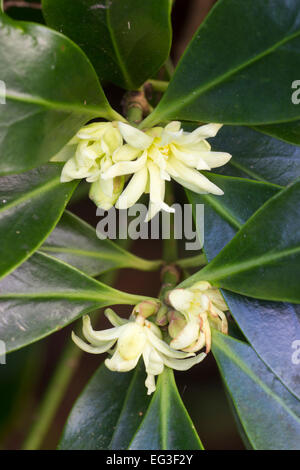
[[161, 317], [147, 308]]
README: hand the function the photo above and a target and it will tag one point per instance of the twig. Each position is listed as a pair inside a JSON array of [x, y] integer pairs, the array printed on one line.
[[21, 4]]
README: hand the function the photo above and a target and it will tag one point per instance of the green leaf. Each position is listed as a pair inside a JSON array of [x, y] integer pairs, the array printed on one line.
[[44, 295], [51, 91], [257, 155], [24, 222], [227, 73], [262, 322], [76, 243], [127, 42], [286, 131], [271, 328], [224, 215], [167, 425], [269, 414], [263, 259], [108, 411]]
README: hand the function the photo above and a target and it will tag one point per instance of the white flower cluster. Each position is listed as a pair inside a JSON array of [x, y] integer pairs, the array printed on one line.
[[187, 328], [110, 154]]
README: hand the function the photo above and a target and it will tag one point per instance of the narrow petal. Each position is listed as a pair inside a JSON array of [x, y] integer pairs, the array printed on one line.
[[187, 336], [72, 171], [135, 137], [191, 179], [215, 159], [191, 159], [125, 168], [113, 318], [202, 132], [150, 384], [102, 335], [93, 131], [153, 361], [134, 189], [183, 364], [126, 153], [92, 349], [118, 364], [216, 297], [164, 348]]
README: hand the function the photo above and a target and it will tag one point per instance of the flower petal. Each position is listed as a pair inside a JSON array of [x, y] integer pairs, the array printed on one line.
[[96, 337], [164, 348], [125, 168], [135, 137], [134, 189], [118, 364], [92, 349], [202, 132], [191, 179], [215, 159], [183, 364], [93, 131], [181, 299], [114, 319], [187, 336], [150, 384], [126, 153]]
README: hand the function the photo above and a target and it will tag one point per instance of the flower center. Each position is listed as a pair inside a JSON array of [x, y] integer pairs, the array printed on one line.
[[165, 150]]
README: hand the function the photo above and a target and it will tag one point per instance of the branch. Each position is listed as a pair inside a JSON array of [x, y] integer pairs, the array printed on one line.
[[21, 4]]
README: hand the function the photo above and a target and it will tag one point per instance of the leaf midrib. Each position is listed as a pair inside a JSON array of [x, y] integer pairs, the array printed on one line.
[[246, 265], [93, 111], [83, 253], [114, 43], [32, 193], [234, 358], [184, 101]]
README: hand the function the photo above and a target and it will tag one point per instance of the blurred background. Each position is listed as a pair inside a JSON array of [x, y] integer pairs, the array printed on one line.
[[25, 377]]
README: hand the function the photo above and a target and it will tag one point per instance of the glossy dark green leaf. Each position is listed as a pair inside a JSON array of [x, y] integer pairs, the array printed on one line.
[[51, 90], [273, 329], [263, 259], [127, 42], [24, 222], [224, 215], [44, 295], [262, 322], [257, 155], [108, 412], [167, 425], [77, 243], [230, 72], [286, 131], [269, 414]]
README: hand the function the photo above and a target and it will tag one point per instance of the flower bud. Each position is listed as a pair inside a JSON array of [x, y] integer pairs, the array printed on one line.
[[147, 308], [161, 317], [176, 323], [105, 193]]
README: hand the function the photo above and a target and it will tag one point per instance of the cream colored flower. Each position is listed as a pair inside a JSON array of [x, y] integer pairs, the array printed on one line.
[[134, 338], [88, 155], [107, 153], [158, 154], [200, 305]]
